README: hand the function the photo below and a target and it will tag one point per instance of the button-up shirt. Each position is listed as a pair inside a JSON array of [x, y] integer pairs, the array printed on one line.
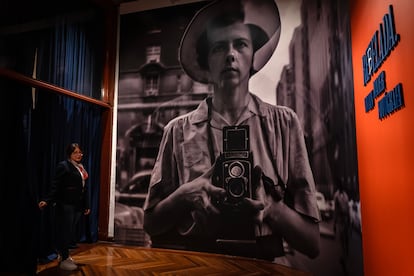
[[276, 142]]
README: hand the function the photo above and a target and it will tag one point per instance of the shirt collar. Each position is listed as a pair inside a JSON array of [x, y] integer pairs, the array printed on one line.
[[201, 113]]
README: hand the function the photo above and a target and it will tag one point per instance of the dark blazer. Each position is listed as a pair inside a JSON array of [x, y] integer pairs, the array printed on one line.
[[67, 187]]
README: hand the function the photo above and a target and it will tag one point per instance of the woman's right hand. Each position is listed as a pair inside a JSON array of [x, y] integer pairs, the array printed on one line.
[[194, 198], [200, 192], [200, 196]]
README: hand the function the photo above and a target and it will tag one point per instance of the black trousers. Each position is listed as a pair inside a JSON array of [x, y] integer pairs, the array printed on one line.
[[67, 218]]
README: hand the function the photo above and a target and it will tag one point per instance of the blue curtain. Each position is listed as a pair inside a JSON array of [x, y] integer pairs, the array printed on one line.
[[75, 53], [34, 142], [57, 121], [37, 129]]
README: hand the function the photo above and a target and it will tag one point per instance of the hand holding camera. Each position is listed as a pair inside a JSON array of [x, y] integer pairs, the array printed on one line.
[[198, 193], [197, 196]]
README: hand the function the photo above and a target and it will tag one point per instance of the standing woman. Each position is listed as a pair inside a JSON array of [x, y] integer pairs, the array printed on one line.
[[68, 191]]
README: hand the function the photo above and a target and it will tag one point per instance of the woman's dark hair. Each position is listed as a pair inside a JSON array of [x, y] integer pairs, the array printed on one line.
[[258, 35], [71, 148]]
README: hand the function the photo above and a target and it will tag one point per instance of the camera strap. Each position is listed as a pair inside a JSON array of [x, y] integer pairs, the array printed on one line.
[[210, 131]]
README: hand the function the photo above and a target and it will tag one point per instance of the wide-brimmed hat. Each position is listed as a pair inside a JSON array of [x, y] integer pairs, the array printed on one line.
[[262, 15]]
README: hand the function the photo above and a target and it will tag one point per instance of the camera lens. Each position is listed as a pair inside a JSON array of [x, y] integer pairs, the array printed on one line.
[[236, 187], [236, 169]]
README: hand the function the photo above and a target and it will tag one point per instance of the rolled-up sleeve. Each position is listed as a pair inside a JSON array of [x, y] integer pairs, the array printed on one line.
[[301, 184], [164, 174]]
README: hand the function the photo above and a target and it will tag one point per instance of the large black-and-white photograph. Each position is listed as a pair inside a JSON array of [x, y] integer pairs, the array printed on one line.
[[236, 132]]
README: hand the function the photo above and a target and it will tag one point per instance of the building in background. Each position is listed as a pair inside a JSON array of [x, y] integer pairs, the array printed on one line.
[[153, 88], [318, 85]]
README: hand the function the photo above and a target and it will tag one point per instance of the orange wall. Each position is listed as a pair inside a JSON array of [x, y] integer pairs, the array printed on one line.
[[386, 148]]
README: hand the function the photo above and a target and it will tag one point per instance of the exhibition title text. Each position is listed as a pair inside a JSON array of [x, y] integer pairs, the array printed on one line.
[[382, 43]]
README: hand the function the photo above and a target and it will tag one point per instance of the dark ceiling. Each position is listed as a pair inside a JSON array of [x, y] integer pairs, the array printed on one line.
[[14, 12]]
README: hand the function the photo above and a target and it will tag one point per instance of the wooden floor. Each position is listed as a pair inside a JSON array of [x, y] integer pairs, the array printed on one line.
[[104, 258]]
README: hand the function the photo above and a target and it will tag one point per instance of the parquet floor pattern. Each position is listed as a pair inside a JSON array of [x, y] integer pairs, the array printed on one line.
[[112, 259]]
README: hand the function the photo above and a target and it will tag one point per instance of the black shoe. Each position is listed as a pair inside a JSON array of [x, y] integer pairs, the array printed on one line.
[[73, 246]]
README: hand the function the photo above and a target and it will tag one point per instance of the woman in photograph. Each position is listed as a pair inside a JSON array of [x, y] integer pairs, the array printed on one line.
[[233, 176]]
